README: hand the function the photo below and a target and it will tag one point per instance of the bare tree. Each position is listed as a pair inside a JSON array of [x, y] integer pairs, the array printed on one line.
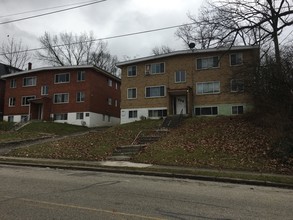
[[14, 53], [161, 50], [70, 49], [240, 22]]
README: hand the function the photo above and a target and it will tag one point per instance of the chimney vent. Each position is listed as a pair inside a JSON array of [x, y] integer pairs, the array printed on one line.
[[29, 66]]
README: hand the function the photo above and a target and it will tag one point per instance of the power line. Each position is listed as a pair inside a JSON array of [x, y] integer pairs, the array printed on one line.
[[43, 9], [53, 12], [104, 38]]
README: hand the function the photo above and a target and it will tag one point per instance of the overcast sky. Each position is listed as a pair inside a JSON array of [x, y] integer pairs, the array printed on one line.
[[105, 19]]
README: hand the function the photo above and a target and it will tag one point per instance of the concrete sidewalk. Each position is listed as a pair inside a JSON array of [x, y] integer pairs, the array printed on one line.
[[236, 177]]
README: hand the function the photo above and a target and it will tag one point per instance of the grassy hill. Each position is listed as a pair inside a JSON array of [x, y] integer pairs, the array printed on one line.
[[234, 143]]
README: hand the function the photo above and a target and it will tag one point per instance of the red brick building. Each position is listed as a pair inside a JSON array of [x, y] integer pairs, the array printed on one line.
[[80, 95]]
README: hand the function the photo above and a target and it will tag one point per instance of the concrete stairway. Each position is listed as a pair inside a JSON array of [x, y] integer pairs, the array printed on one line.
[[124, 153]]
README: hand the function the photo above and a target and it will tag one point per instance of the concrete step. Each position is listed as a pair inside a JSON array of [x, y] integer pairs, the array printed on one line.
[[119, 158]]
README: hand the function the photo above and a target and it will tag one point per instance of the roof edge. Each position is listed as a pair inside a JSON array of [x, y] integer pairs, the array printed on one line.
[[181, 52]]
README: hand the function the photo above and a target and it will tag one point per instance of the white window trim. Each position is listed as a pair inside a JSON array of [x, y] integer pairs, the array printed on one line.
[[61, 74], [154, 96], [34, 77], [60, 102], [14, 84], [32, 97], [79, 101], [78, 114], [213, 106], [200, 58], [208, 93], [133, 111], [135, 71], [42, 90], [150, 72], [83, 73], [184, 71], [135, 92], [110, 82], [9, 102]]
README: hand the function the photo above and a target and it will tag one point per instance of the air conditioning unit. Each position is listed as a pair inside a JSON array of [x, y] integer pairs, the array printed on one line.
[[83, 123]]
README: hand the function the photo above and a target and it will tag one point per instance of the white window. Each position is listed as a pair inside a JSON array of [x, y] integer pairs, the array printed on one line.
[[110, 82], [180, 76], [79, 115], [29, 81], [61, 98], [80, 76], [11, 102], [237, 85], [116, 103], [236, 59], [62, 78], [206, 63], [155, 68], [109, 101], [208, 88], [131, 93], [25, 100], [158, 113], [116, 86], [206, 111], [44, 90], [132, 114], [131, 71], [13, 83], [80, 97], [237, 110], [60, 116], [155, 91]]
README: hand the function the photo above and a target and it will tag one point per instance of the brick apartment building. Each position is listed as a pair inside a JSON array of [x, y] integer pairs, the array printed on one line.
[[190, 82], [80, 95], [4, 70]]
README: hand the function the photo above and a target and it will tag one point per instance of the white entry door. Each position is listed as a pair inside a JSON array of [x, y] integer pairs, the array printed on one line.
[[180, 105]]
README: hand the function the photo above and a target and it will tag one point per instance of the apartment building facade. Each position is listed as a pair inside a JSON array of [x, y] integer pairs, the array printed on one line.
[[79, 95], [199, 82]]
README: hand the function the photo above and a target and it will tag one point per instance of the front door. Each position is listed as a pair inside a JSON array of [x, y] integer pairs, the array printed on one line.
[[180, 105]]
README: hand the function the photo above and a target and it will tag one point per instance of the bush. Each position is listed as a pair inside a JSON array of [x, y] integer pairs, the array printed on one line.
[[283, 149]]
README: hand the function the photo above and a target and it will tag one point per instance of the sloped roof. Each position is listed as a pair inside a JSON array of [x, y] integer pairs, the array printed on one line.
[[6, 69], [183, 52], [61, 68]]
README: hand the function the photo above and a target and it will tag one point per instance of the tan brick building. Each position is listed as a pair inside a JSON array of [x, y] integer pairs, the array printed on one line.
[[80, 95], [199, 82]]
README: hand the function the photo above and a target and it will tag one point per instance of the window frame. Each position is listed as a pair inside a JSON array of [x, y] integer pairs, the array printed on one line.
[[180, 72], [65, 115], [236, 59], [109, 100], [161, 113], [212, 108], [131, 71], [149, 68], [80, 75], [56, 80], [13, 84], [208, 93], [34, 81], [80, 96], [133, 88], [25, 100], [11, 102], [160, 96], [58, 94], [208, 67], [110, 82], [237, 85], [79, 115], [45, 90], [241, 112], [132, 114]]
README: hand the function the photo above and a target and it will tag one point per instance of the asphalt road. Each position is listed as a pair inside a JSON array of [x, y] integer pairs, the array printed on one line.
[[43, 193]]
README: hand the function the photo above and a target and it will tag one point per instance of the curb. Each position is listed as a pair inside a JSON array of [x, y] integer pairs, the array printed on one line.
[[140, 171]]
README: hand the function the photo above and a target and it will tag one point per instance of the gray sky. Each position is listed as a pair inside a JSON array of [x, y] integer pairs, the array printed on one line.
[[105, 19]]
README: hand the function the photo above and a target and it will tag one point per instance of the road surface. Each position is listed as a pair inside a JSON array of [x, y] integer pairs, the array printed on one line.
[[44, 193]]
